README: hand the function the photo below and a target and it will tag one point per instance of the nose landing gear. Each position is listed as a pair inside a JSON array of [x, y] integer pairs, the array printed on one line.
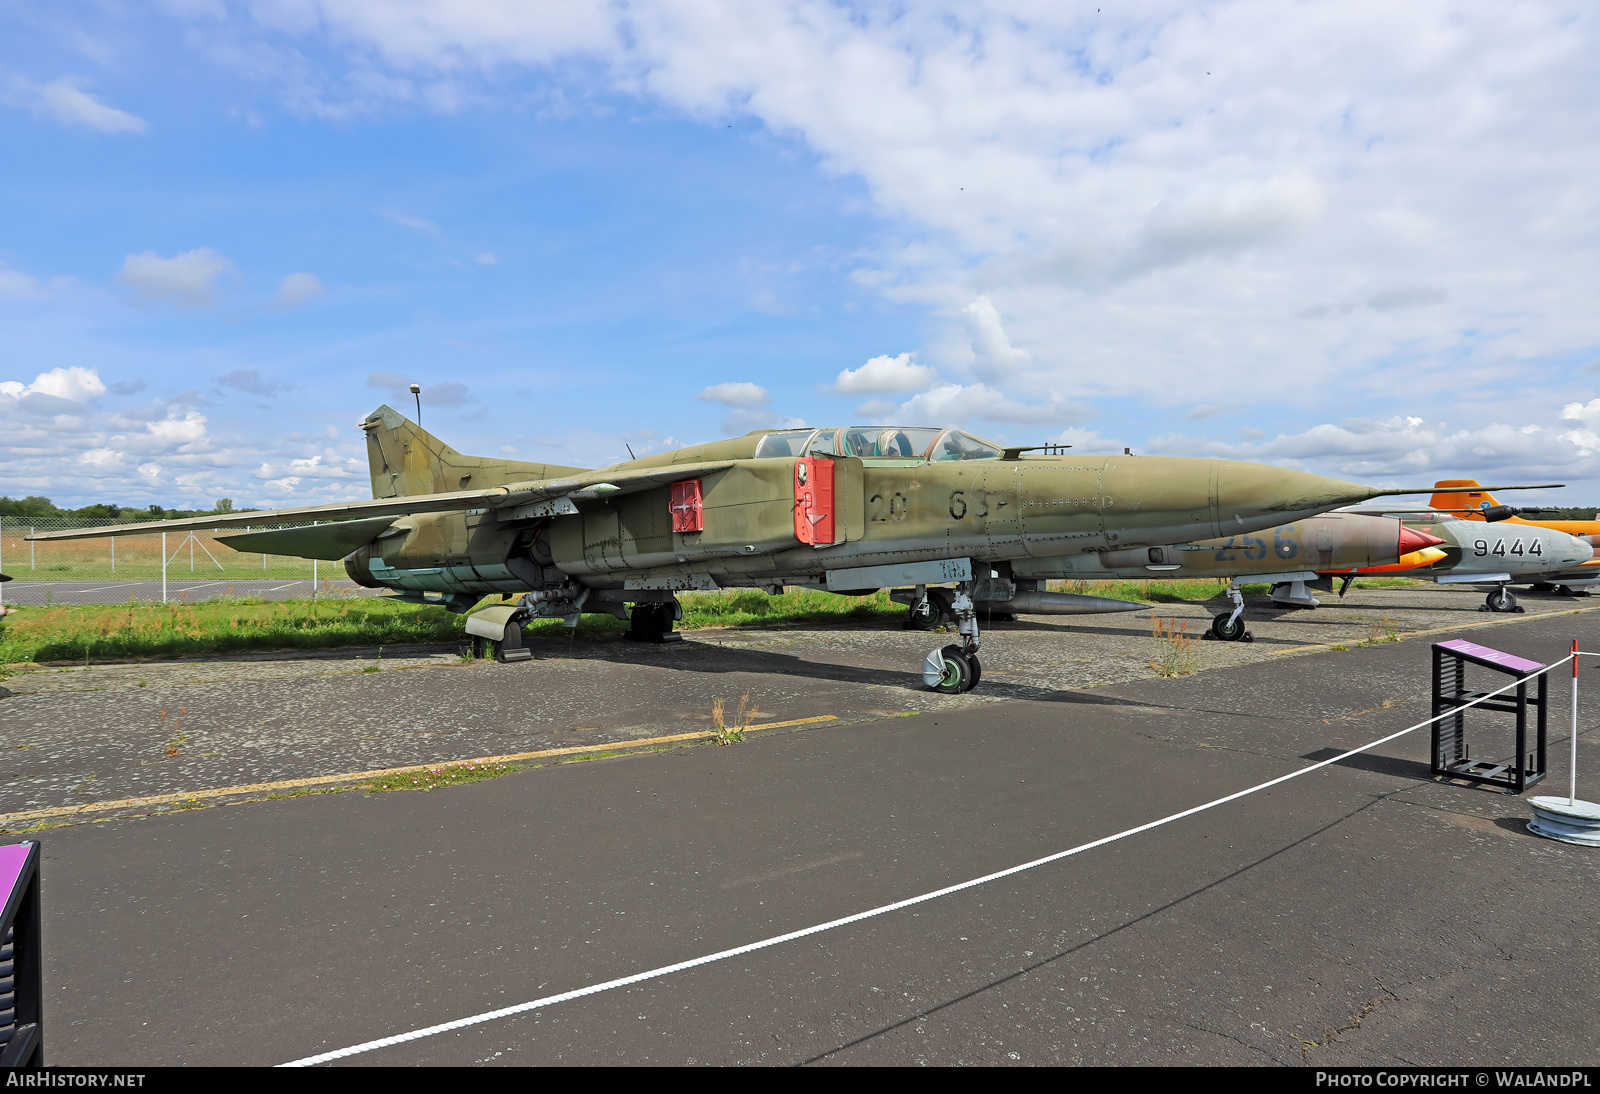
[[1229, 626], [955, 669], [1500, 600]]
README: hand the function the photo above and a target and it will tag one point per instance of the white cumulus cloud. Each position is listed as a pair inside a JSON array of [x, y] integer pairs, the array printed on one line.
[[296, 289], [74, 384], [64, 101], [187, 280], [955, 404], [884, 375], [735, 394]]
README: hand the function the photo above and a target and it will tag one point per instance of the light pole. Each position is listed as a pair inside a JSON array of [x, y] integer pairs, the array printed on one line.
[[416, 389]]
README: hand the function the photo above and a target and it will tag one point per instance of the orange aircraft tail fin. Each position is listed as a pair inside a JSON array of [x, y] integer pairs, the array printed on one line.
[[1477, 499]]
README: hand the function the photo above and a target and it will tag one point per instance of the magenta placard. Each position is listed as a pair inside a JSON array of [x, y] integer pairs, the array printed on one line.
[[1498, 657], [12, 859]]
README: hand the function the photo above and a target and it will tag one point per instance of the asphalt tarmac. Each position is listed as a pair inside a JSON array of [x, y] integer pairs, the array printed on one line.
[[1365, 914]]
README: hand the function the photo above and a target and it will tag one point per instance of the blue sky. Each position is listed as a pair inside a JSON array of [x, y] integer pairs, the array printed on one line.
[[1344, 237]]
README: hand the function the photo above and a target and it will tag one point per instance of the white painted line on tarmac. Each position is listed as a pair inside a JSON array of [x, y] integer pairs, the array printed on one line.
[[776, 940]]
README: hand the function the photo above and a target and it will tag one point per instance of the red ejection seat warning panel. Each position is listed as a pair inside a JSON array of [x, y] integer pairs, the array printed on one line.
[[813, 501]]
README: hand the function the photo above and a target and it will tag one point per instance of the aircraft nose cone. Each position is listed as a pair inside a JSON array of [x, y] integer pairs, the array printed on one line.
[[1413, 540]]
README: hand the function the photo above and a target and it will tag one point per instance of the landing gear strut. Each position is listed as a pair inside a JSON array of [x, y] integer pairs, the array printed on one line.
[[924, 615], [1500, 600], [1229, 626], [955, 668]]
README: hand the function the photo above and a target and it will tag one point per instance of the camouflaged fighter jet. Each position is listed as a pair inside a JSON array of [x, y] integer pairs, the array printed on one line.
[[849, 509]]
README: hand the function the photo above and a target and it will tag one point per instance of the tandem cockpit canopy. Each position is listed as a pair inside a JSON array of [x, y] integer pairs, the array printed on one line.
[[879, 442]]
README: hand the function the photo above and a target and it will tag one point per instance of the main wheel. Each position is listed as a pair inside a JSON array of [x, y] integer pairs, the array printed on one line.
[[923, 616], [1226, 628], [954, 671], [649, 622], [1501, 600]]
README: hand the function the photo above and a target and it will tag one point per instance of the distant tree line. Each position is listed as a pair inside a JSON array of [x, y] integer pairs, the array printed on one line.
[[22, 510]]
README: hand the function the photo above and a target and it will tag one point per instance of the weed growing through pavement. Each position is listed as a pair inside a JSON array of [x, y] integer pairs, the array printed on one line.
[[306, 791], [726, 734], [1176, 650], [1379, 633], [375, 667], [175, 742], [427, 778]]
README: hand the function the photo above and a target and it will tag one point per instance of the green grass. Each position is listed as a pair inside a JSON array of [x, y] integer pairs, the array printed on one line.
[[104, 632], [429, 778], [93, 633]]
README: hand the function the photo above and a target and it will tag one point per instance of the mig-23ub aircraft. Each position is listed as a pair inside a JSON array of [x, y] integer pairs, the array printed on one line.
[[849, 509]]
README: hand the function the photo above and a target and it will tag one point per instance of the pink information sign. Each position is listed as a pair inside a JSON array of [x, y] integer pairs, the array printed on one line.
[[1494, 657]]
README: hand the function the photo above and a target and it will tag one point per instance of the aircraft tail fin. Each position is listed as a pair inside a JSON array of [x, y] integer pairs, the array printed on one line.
[[1477, 499], [406, 460]]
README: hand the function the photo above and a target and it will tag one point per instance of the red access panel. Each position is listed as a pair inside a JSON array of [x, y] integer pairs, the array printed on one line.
[[688, 511], [813, 501]]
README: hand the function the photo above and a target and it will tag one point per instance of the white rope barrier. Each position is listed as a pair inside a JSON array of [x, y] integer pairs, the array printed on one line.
[[778, 940]]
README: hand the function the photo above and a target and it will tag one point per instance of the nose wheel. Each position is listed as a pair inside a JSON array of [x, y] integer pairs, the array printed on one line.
[[1229, 626], [1501, 600], [952, 670], [1226, 628]]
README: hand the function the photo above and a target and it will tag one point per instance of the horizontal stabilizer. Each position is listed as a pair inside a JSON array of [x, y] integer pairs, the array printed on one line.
[[328, 541], [590, 486]]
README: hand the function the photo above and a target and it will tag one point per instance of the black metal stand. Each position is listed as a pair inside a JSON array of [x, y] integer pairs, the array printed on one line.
[[1451, 755], [21, 965]]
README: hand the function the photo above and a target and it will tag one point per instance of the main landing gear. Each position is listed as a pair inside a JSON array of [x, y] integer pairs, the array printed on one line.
[[651, 621], [955, 668], [1500, 600], [1229, 626]]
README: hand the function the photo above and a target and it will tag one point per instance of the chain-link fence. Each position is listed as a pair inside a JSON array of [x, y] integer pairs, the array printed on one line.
[[190, 565]]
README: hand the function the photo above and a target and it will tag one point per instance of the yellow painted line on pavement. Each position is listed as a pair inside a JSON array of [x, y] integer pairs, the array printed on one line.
[[1453, 627], [289, 784]]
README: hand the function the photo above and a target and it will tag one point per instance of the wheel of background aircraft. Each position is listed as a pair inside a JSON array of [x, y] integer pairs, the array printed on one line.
[[1227, 629], [1501, 600], [923, 616]]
